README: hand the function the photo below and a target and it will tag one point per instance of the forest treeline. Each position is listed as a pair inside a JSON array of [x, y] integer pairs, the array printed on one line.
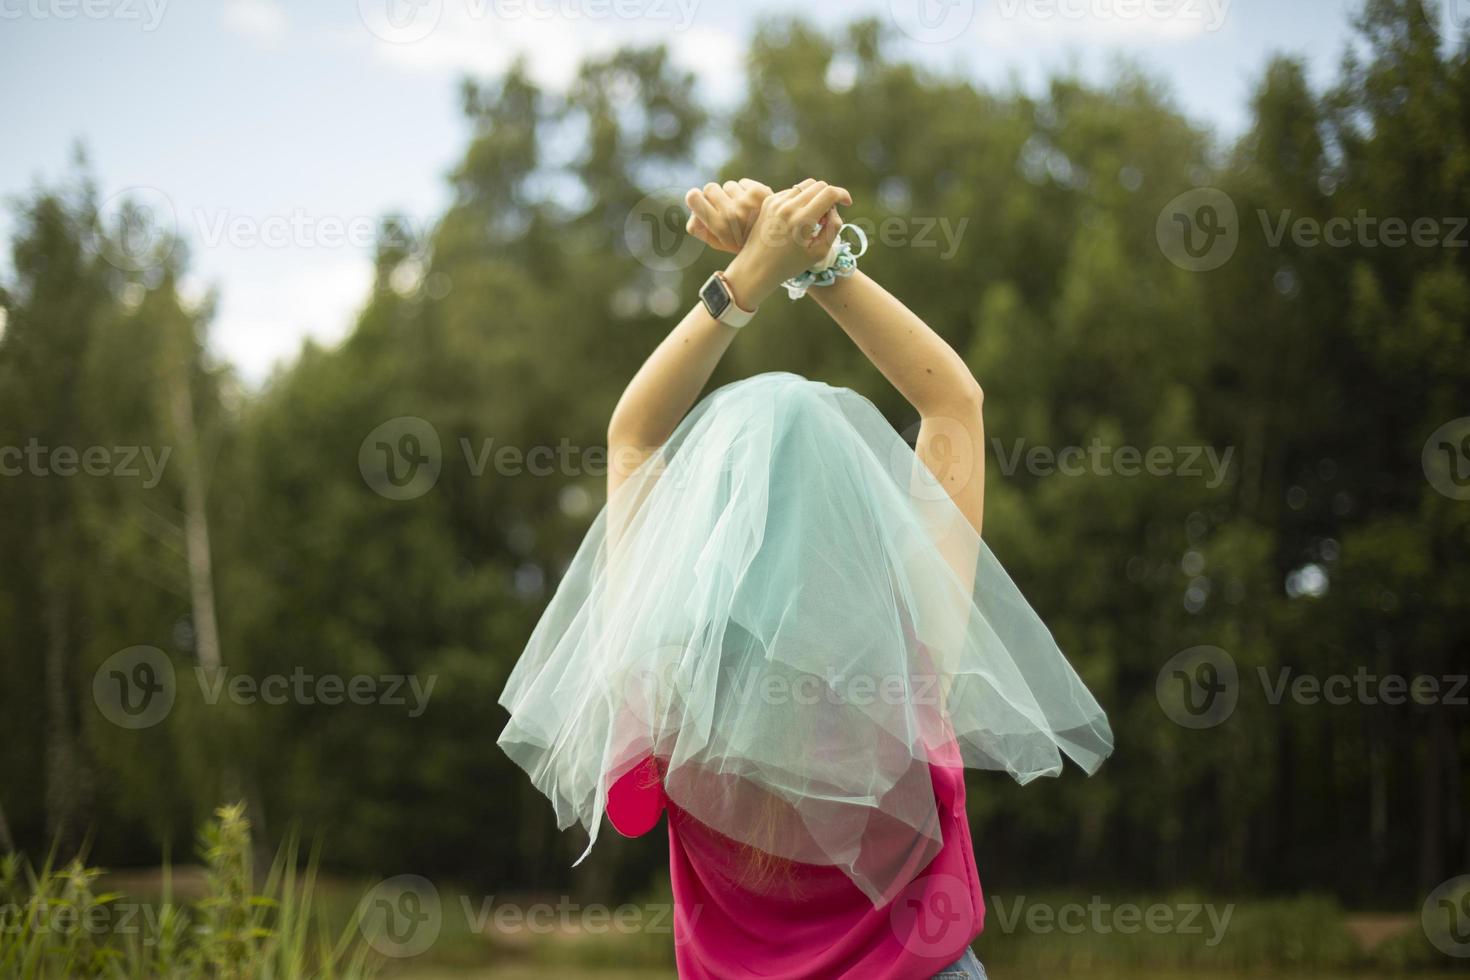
[[1224, 451]]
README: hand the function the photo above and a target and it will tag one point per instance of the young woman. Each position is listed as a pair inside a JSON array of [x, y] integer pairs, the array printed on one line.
[[785, 632]]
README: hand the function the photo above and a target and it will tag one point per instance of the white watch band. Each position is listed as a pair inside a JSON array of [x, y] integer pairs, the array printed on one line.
[[732, 315]]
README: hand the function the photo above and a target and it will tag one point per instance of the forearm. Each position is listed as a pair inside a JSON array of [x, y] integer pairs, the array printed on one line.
[[935, 380], [666, 386], [914, 359]]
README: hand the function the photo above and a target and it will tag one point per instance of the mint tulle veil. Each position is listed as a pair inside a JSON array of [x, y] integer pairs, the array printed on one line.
[[785, 610]]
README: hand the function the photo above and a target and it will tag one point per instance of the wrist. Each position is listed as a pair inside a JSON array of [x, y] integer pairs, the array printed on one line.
[[837, 290], [750, 281]]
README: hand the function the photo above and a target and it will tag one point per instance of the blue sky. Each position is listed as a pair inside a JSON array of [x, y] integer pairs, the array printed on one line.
[[276, 133]]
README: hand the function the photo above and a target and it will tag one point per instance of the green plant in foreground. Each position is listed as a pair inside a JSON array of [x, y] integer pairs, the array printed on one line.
[[53, 925], [49, 920]]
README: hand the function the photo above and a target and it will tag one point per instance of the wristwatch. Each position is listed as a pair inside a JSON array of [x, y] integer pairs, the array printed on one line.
[[719, 300]]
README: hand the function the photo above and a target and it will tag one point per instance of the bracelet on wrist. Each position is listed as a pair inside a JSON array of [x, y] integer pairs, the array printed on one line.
[[839, 263]]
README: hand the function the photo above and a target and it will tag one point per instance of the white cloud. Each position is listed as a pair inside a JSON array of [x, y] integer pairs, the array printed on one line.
[[262, 20], [482, 37], [269, 308]]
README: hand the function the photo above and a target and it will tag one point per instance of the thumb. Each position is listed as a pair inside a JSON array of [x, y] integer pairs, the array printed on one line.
[[831, 225]]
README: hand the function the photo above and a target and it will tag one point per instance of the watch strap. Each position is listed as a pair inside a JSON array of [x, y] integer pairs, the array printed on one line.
[[734, 314]]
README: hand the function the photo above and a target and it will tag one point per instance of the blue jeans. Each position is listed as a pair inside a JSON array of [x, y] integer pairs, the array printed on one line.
[[967, 967]]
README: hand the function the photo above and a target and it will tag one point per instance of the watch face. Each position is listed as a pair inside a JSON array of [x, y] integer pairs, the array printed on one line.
[[716, 300]]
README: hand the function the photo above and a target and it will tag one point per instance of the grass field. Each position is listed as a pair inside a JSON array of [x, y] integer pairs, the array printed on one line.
[[215, 919]]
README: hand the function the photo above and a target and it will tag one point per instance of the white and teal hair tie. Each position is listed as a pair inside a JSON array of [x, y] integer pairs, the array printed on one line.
[[839, 263]]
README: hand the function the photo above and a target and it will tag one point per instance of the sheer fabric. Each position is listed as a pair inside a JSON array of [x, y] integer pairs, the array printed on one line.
[[786, 612]]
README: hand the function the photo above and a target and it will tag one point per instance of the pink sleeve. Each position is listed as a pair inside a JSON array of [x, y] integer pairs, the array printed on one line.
[[636, 799]]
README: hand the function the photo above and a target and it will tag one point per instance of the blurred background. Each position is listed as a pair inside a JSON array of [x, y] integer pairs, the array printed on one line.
[[312, 317]]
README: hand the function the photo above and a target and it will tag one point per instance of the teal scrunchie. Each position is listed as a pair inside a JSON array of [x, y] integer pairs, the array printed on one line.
[[841, 267]]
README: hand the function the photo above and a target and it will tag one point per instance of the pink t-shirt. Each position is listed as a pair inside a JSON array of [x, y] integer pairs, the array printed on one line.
[[816, 925]]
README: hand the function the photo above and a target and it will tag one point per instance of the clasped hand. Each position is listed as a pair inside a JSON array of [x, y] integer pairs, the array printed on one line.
[[774, 235]]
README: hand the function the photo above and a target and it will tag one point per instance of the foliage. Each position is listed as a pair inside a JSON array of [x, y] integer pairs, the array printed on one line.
[[53, 925]]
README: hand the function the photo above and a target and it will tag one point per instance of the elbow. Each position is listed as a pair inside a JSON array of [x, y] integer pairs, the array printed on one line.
[[963, 399], [622, 435], [971, 394]]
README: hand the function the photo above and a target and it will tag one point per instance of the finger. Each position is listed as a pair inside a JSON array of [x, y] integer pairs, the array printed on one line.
[[706, 214], [699, 230], [754, 187], [818, 199], [724, 210], [801, 214], [831, 225], [731, 188], [809, 191]]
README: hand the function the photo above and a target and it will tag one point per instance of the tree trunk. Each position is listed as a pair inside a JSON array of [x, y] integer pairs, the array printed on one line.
[[196, 525], [207, 647]]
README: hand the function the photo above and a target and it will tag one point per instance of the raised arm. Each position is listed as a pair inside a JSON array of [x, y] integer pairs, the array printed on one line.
[[662, 392], [928, 373], [667, 384]]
